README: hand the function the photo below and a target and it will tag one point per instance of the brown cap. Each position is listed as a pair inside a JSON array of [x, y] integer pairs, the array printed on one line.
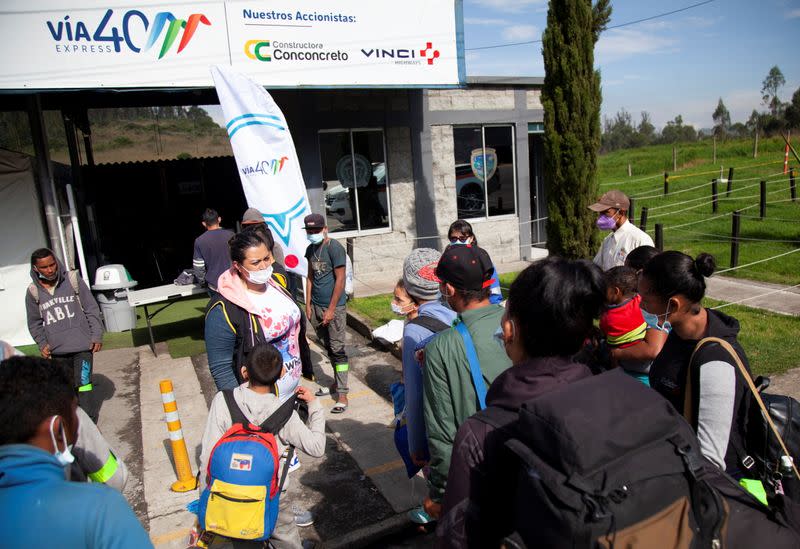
[[314, 221], [612, 199], [251, 215]]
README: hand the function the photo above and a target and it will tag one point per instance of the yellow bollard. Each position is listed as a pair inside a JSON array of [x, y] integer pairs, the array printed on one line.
[[186, 480]]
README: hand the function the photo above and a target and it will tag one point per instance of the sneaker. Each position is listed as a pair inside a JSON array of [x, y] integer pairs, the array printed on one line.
[[302, 517], [419, 516], [294, 465]]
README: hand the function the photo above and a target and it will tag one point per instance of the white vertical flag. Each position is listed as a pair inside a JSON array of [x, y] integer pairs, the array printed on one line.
[[267, 161]]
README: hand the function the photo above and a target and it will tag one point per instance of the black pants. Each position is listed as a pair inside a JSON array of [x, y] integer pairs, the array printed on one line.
[[81, 365]]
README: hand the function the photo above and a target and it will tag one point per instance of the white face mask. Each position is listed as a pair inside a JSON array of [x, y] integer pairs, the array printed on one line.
[[398, 310], [259, 277], [64, 458]]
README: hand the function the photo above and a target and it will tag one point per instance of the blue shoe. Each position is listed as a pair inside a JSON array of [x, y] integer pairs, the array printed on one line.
[[419, 516]]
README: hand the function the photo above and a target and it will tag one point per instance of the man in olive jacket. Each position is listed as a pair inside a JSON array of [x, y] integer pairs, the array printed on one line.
[[450, 396]]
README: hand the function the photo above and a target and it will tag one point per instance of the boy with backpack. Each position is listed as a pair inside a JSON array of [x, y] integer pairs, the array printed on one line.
[[247, 431]]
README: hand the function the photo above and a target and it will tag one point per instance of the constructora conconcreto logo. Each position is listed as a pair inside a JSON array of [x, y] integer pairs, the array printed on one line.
[[404, 56], [130, 31], [261, 49]]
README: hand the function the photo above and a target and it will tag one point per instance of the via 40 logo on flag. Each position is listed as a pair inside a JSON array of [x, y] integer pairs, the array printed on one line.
[[267, 161]]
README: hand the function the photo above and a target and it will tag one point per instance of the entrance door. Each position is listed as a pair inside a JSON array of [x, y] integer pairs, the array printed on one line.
[[538, 199]]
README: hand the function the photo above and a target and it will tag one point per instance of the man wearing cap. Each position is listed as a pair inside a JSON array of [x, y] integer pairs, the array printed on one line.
[[211, 255], [451, 394], [254, 220], [625, 236], [325, 302]]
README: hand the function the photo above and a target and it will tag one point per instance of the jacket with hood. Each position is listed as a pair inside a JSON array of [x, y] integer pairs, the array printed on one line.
[[59, 320], [235, 324], [721, 399], [475, 503], [42, 509]]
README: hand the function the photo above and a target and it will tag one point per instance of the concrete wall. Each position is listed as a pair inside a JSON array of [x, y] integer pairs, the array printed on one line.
[[479, 98]]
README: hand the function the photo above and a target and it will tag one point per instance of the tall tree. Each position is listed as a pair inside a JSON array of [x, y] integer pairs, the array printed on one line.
[[571, 98], [769, 89], [793, 111], [722, 119]]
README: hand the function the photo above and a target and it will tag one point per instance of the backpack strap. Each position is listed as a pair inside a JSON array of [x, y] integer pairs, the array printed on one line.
[[474, 364], [72, 276], [279, 417], [34, 291], [237, 416], [430, 323], [689, 412]]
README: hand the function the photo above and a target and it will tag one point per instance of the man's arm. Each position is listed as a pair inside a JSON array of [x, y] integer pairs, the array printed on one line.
[[309, 288], [198, 264], [35, 323], [92, 311], [439, 420]]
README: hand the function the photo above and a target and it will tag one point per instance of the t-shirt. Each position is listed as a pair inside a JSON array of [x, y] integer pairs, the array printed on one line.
[[322, 260], [212, 252], [623, 324]]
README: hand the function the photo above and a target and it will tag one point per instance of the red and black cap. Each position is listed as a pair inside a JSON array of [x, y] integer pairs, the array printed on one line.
[[466, 268]]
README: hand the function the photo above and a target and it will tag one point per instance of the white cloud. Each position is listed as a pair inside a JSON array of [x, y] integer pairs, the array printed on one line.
[[486, 22], [702, 22], [512, 6], [793, 14], [521, 32], [621, 43]]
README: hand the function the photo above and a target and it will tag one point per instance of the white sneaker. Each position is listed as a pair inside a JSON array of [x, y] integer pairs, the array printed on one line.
[[294, 465]]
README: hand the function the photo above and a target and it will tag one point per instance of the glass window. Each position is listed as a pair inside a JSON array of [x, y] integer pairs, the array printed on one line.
[[485, 174], [354, 179]]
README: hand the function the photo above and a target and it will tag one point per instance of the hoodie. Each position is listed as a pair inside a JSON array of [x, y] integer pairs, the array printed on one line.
[[721, 397], [58, 319], [42, 509], [474, 509]]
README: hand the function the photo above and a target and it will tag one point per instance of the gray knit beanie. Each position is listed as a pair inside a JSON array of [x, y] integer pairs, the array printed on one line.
[[419, 275]]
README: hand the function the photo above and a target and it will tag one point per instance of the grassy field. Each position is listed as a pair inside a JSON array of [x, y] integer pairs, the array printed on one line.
[[180, 325], [686, 212]]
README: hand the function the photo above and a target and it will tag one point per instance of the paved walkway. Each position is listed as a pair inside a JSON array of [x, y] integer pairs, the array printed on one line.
[[761, 295]]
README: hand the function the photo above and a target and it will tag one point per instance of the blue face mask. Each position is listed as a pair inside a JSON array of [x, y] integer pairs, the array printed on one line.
[[652, 321], [316, 238], [64, 457]]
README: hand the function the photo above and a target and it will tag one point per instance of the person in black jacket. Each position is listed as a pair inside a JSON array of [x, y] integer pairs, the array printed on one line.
[[550, 312]]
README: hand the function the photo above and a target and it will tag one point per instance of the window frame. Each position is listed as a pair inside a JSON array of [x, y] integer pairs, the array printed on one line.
[[358, 232], [486, 216]]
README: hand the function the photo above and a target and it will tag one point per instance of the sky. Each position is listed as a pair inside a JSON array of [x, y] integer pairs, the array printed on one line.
[[679, 64]]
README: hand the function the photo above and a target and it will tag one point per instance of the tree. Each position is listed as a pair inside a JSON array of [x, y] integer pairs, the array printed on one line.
[[769, 90], [571, 98], [754, 122], [646, 130], [722, 119], [792, 113], [675, 131]]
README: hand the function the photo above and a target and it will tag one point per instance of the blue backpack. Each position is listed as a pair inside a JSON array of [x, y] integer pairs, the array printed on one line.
[[243, 491]]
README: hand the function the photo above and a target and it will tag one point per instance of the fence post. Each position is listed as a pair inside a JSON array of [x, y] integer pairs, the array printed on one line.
[[629, 170], [762, 203], [735, 226], [730, 181], [674, 159], [755, 145], [643, 219], [714, 196], [792, 188], [714, 160], [660, 237], [666, 182], [631, 214]]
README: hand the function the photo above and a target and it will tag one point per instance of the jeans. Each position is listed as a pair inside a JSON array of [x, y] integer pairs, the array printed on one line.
[[81, 365], [332, 336]]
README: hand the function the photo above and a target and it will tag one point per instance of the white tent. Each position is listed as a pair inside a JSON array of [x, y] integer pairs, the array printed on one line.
[[23, 232]]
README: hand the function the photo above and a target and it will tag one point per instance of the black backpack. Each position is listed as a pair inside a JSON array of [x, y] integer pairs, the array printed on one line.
[[607, 462]]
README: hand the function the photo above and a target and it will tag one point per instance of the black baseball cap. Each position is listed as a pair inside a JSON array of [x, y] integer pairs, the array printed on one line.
[[314, 221], [466, 268]]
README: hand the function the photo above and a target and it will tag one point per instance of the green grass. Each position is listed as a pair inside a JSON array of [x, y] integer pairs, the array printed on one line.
[[376, 309], [686, 215], [180, 325]]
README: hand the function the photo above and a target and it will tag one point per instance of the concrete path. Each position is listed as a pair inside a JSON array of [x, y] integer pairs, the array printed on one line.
[[772, 297]]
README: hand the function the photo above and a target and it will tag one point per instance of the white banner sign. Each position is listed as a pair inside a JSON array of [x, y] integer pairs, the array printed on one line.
[[288, 43], [267, 161]]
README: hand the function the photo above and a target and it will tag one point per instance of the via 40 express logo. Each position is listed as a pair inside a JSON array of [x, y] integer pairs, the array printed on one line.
[[75, 36]]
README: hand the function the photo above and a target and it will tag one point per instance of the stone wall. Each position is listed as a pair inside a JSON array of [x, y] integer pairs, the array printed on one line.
[[533, 99], [498, 237], [471, 99], [376, 257]]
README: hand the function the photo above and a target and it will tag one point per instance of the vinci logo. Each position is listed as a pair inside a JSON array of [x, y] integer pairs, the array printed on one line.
[[404, 56], [252, 49], [75, 36]]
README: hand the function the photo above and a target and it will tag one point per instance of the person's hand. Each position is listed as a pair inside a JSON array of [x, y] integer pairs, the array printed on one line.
[[433, 509], [308, 311], [96, 347], [418, 459], [305, 394], [420, 356], [46, 350], [327, 317]]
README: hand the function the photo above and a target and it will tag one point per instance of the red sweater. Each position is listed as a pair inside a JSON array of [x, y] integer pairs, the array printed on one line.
[[623, 324]]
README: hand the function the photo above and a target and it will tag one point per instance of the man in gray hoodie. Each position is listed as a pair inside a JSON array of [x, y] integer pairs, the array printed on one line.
[[64, 321]]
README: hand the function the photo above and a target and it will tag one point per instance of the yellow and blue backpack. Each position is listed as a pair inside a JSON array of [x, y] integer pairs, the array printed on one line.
[[241, 498]]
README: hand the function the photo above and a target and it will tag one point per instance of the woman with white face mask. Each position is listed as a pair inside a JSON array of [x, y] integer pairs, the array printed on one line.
[[403, 304], [253, 308]]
